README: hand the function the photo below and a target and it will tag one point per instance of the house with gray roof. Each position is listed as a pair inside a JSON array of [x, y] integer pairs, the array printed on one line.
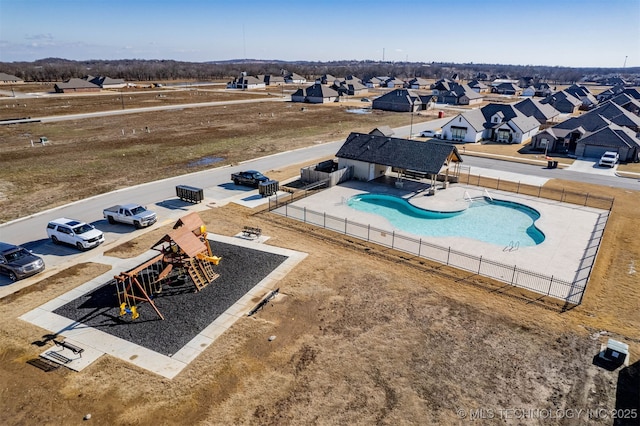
[[75, 85], [399, 100], [573, 136], [10, 79], [544, 113], [372, 156], [442, 85], [542, 89], [382, 131], [460, 94], [272, 79], [627, 102], [584, 94], [247, 82], [564, 102], [315, 94], [377, 81], [293, 78], [478, 86], [418, 83], [350, 87], [611, 138], [108, 82], [393, 82], [507, 88], [326, 79], [496, 122]]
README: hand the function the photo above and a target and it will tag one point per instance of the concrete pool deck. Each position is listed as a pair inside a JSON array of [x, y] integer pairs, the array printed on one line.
[[572, 232]]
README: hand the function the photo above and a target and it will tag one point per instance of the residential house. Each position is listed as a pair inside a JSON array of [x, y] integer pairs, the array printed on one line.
[[326, 79], [442, 85], [417, 83], [611, 138], [479, 87], [350, 87], [315, 94], [75, 85], [10, 79], [507, 88], [382, 131], [393, 83], [372, 156], [567, 136], [618, 115], [293, 78], [460, 94], [375, 81], [399, 100], [627, 102], [544, 113], [272, 80], [581, 92], [610, 93], [564, 102], [247, 82], [496, 122], [108, 82], [542, 89]]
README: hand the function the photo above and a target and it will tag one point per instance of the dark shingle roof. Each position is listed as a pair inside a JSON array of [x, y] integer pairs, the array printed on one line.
[[407, 154]]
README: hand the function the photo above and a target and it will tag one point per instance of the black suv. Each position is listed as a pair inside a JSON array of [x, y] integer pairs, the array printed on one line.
[[18, 262]]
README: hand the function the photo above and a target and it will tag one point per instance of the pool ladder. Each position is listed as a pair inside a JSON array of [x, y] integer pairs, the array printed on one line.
[[470, 199]]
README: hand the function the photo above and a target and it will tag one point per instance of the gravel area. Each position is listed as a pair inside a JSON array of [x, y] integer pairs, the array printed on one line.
[[186, 312]]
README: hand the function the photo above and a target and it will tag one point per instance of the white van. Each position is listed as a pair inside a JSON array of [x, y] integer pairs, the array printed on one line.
[[74, 232]]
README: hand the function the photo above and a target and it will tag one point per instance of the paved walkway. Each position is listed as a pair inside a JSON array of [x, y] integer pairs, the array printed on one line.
[[572, 232], [97, 343]]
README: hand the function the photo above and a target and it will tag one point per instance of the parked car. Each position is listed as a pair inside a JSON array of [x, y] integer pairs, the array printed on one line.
[[431, 133], [609, 159], [365, 100], [249, 178], [17, 262], [70, 231], [133, 214]]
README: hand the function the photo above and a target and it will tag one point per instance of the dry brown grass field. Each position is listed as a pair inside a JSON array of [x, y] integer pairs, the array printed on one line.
[[364, 335]]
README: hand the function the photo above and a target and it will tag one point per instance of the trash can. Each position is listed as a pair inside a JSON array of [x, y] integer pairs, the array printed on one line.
[[555, 164], [268, 188], [549, 164], [189, 193]]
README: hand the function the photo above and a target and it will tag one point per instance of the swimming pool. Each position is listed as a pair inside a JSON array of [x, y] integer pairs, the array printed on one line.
[[498, 222]]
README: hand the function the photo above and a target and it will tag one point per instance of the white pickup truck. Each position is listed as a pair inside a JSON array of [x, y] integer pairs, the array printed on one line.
[[133, 214]]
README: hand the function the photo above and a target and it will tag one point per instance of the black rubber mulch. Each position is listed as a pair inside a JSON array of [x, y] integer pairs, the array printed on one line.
[[186, 312]]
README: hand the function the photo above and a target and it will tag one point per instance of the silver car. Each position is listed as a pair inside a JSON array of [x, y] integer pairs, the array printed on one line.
[[18, 262]]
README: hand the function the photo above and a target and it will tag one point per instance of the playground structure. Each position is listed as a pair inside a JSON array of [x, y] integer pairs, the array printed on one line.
[[184, 252]]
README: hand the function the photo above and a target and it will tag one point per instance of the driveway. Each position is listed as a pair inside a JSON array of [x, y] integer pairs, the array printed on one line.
[[591, 166]]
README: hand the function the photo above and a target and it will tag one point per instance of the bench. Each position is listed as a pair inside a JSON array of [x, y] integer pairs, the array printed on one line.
[[58, 357], [73, 348], [251, 232]]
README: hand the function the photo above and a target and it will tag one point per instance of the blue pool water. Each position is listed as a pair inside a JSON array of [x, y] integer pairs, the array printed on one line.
[[502, 223]]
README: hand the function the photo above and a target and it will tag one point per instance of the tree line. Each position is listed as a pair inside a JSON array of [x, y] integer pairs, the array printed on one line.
[[56, 69]]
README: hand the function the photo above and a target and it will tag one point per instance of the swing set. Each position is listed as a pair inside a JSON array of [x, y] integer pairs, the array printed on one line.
[[185, 251]]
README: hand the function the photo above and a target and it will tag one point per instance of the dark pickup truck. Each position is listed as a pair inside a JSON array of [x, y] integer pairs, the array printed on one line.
[[249, 178]]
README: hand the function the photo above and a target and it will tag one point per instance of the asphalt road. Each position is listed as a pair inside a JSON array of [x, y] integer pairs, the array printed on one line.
[[160, 197]]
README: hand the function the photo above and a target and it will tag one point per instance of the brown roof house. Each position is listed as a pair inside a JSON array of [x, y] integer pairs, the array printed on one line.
[[76, 85], [10, 79]]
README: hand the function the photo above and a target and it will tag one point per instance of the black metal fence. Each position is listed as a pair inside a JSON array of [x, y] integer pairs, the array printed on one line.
[[562, 195], [569, 292]]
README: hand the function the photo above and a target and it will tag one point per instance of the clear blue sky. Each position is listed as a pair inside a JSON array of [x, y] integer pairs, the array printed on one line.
[[575, 33]]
